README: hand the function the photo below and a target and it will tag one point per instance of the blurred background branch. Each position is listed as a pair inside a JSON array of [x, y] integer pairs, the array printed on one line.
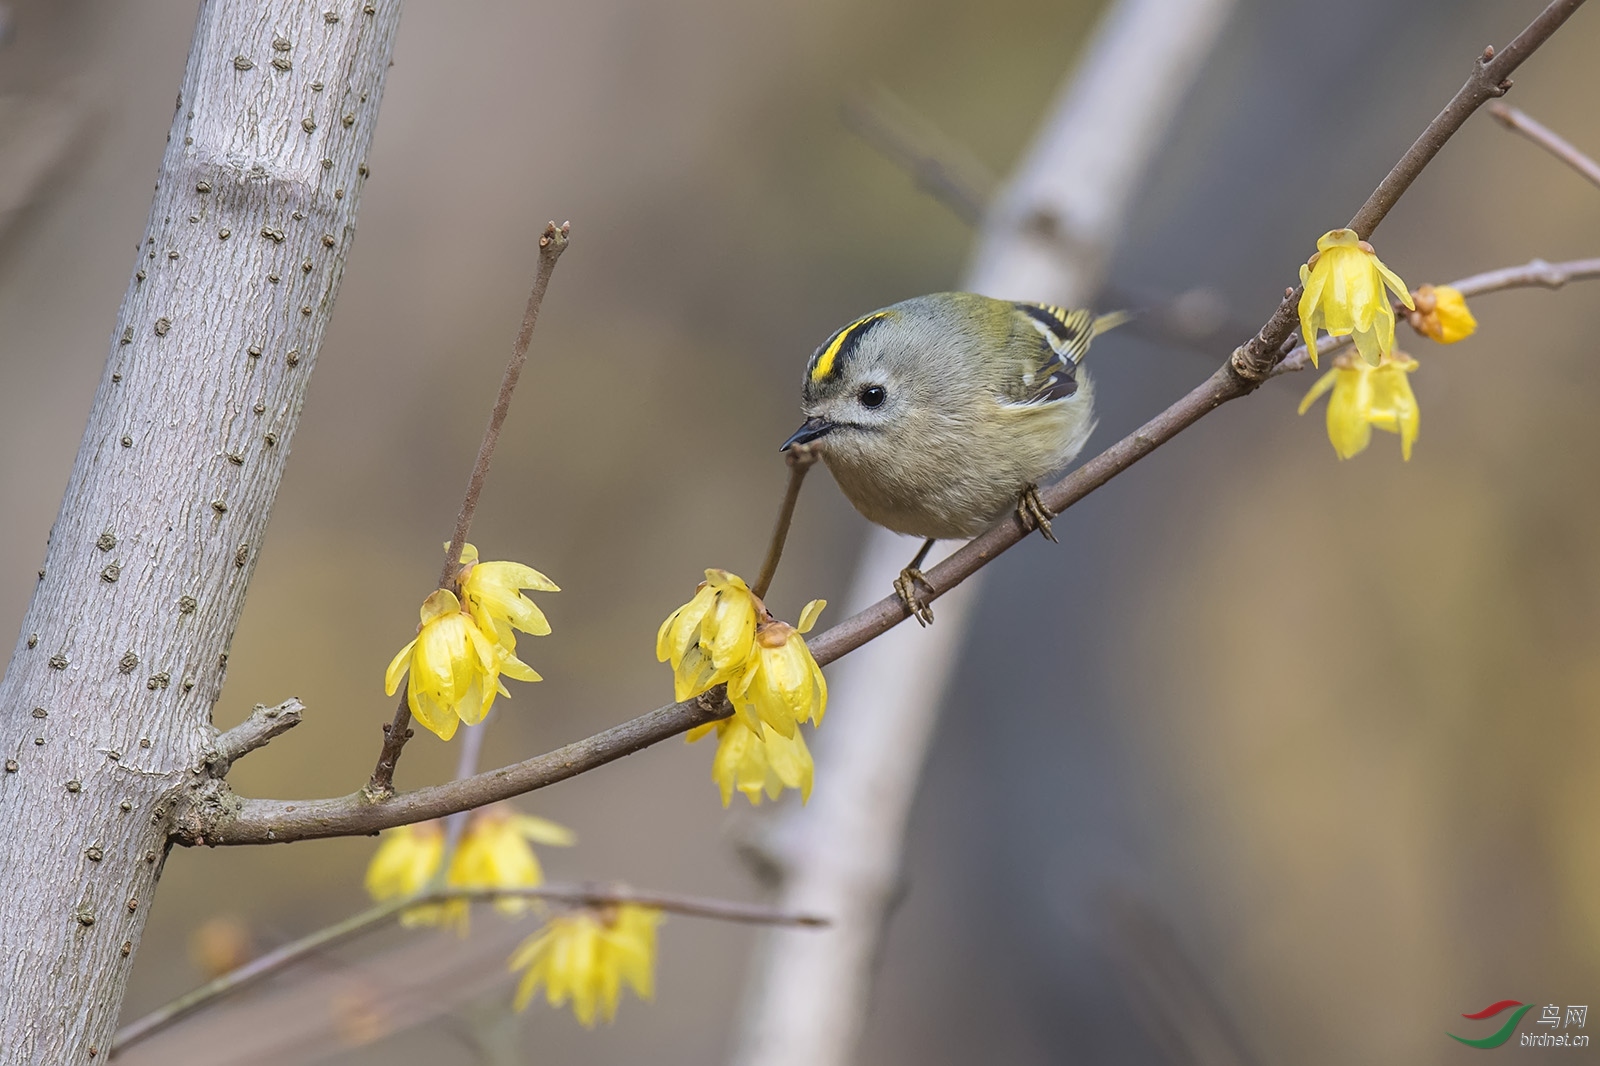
[[587, 895], [1548, 139]]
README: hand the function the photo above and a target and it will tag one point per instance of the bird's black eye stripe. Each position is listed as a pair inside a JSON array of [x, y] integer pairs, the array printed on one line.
[[873, 396]]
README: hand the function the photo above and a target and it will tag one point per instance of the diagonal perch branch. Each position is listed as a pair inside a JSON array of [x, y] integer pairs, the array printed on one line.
[[254, 732]]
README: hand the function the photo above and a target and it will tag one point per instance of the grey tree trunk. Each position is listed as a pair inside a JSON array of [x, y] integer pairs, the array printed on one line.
[[105, 707]]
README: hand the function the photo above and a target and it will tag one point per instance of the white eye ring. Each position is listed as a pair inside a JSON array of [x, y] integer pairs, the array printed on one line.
[[873, 396]]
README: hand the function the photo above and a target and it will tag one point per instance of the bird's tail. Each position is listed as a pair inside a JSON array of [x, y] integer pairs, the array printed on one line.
[[1110, 321]]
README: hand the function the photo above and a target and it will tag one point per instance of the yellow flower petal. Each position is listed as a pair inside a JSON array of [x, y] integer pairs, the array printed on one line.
[[1324, 383], [397, 669], [440, 604], [586, 956], [1344, 295], [682, 628], [1365, 398], [544, 831], [809, 615], [1349, 429]]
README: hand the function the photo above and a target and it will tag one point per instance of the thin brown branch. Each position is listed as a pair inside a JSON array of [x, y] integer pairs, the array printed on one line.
[[574, 895], [800, 457], [551, 244], [1490, 78], [254, 732], [1534, 274], [1546, 138], [260, 821]]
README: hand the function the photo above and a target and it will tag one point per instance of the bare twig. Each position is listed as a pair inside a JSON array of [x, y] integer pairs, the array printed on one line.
[[801, 458], [551, 244], [1535, 273], [260, 821], [1490, 78], [574, 895], [254, 732], [1546, 138], [939, 166]]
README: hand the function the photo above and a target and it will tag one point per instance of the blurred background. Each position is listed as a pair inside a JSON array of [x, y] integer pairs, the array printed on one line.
[[1296, 754]]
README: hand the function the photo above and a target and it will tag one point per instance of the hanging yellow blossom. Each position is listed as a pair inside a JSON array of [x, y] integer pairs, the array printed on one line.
[[495, 851], [1344, 295], [757, 760], [726, 635], [587, 956], [494, 599], [405, 863], [1441, 312], [1367, 397], [710, 639], [455, 669], [783, 685]]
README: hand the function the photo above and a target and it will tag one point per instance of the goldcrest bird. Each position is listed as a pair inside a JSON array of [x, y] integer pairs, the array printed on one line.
[[940, 414]]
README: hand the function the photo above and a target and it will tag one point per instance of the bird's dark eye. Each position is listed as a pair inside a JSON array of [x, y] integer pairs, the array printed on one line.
[[873, 396]]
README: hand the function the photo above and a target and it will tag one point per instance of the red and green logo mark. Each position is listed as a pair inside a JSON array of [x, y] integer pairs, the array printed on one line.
[[1501, 1035]]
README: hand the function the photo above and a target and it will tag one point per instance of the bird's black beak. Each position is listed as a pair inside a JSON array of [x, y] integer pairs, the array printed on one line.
[[811, 429]]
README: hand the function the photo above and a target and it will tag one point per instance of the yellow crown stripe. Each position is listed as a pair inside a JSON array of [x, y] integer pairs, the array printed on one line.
[[824, 364]]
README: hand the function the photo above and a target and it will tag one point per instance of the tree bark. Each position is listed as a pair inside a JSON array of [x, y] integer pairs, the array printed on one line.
[[106, 703]]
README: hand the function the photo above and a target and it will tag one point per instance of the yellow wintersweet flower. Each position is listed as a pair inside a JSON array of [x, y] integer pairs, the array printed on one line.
[[1441, 312], [493, 595], [455, 669], [725, 634], [587, 956], [783, 685], [1343, 294], [405, 864], [1365, 397], [710, 639], [494, 852], [757, 760]]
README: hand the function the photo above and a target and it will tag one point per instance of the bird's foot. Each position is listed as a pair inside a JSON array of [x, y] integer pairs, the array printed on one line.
[[1033, 514], [905, 586]]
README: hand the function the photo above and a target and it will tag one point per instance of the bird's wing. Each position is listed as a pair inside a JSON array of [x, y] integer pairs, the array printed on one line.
[[1046, 369]]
